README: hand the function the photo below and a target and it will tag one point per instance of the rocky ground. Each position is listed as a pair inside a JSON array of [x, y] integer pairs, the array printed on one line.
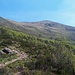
[[20, 55]]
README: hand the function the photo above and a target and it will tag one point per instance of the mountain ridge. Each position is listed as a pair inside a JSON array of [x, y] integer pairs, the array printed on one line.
[[43, 29]]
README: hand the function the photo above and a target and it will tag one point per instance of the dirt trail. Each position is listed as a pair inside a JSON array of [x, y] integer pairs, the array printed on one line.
[[20, 55], [18, 73]]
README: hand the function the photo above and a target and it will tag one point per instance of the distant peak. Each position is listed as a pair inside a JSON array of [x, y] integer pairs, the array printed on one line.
[[1, 17], [45, 21]]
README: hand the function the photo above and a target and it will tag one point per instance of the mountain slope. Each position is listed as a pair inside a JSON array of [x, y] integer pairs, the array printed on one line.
[[45, 57], [46, 29]]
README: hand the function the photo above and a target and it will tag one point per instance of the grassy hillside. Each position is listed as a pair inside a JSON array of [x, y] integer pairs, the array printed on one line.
[[43, 29], [45, 57]]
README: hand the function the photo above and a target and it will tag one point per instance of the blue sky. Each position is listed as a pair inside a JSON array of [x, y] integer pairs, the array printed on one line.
[[62, 11]]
